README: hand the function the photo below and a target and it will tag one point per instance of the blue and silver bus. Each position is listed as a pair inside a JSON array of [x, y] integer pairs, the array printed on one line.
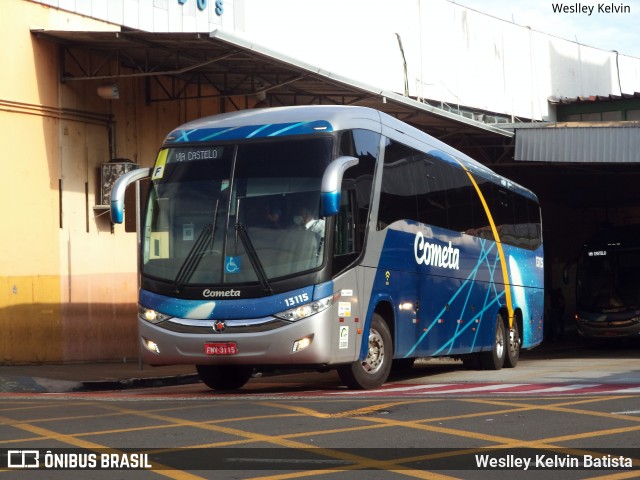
[[331, 237]]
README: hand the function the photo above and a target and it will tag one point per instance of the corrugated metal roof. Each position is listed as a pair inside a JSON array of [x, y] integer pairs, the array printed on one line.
[[579, 144], [593, 98]]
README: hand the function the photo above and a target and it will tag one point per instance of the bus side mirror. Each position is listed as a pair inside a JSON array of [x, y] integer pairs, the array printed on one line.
[[117, 193], [331, 182]]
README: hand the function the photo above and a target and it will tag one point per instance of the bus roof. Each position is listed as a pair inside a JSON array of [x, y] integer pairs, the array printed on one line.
[[300, 120]]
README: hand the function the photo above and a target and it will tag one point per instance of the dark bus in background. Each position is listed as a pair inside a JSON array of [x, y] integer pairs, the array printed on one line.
[[608, 284]]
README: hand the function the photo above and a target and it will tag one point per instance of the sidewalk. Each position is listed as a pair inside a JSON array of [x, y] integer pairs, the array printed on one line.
[[85, 377]]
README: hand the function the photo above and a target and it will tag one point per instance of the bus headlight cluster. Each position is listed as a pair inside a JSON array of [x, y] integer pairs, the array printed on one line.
[[150, 315], [306, 310]]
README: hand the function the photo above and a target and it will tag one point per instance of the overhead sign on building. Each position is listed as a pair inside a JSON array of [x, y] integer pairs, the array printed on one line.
[[156, 16]]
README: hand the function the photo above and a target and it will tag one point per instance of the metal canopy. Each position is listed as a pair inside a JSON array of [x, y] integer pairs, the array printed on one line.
[[236, 67], [579, 143]]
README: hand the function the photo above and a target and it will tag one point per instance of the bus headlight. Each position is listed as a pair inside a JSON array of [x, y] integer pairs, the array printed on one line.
[[301, 344], [151, 346], [306, 310], [151, 316]]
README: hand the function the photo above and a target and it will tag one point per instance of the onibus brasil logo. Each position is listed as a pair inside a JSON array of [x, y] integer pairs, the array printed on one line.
[[72, 460]]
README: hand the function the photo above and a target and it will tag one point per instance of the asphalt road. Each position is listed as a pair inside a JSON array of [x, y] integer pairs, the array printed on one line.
[[569, 412]]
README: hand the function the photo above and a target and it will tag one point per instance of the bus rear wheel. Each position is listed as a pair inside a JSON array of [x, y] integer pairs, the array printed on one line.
[[224, 377], [494, 358], [513, 346], [374, 370]]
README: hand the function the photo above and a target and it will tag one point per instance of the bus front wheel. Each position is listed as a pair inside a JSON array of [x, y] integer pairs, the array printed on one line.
[[374, 370], [224, 377]]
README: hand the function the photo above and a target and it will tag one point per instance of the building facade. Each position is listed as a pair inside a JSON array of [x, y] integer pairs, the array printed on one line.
[[68, 278]]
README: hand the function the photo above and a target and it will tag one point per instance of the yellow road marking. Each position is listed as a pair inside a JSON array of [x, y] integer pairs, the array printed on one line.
[[361, 462], [561, 408], [348, 413], [618, 476], [363, 415]]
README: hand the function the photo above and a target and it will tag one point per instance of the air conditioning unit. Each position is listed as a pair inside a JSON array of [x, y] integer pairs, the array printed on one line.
[[109, 173]]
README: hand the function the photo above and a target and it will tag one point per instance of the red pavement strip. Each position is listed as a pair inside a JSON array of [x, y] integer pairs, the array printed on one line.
[[390, 390], [500, 389]]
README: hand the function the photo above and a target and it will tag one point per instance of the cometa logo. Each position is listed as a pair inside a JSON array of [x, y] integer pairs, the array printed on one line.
[[220, 293], [435, 255]]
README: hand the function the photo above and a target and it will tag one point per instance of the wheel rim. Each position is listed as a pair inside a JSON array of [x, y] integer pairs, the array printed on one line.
[[499, 343], [514, 342], [375, 355]]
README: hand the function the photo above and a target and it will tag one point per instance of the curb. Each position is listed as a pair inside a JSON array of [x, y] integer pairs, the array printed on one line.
[[130, 383], [24, 384]]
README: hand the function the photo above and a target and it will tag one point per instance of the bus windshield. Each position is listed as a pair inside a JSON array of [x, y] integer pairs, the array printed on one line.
[[236, 214], [608, 280]]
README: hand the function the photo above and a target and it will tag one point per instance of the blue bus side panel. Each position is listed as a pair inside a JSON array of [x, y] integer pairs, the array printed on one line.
[[526, 271], [447, 305]]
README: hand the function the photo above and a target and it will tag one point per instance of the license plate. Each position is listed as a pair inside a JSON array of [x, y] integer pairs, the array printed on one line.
[[221, 348]]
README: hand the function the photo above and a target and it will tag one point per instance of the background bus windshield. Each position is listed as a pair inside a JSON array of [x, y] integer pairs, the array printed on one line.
[[608, 280], [236, 214]]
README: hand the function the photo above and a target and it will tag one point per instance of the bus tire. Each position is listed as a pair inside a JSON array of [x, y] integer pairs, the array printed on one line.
[[513, 346], [224, 377], [374, 370], [494, 358]]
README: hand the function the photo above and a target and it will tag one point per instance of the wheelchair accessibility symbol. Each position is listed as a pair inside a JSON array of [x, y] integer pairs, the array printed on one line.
[[232, 264]]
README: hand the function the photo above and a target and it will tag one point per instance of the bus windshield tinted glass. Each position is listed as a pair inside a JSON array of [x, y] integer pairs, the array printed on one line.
[[208, 224], [608, 280]]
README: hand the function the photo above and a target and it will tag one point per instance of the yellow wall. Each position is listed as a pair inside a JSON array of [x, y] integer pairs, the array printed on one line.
[[68, 282], [36, 264]]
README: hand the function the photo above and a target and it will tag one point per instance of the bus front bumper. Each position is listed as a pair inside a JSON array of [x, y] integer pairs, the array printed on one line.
[[619, 328], [311, 341]]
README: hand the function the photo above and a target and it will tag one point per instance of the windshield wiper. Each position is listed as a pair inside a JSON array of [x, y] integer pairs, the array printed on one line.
[[193, 258], [203, 243], [253, 257], [251, 253]]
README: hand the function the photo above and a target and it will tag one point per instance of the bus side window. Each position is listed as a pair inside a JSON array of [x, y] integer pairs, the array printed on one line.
[[450, 200], [355, 198], [364, 145], [402, 181], [517, 218], [503, 214], [535, 224], [432, 197]]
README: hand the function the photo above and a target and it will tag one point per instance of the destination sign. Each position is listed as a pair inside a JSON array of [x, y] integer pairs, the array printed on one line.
[[187, 155]]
